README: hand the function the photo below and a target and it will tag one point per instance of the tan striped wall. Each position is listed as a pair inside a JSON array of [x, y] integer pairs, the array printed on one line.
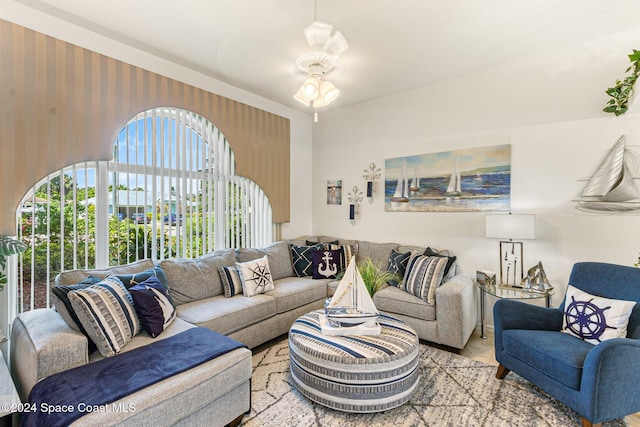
[[61, 104]]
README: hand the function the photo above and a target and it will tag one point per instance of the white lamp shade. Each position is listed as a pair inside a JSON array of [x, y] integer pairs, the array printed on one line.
[[310, 87], [510, 226], [328, 93]]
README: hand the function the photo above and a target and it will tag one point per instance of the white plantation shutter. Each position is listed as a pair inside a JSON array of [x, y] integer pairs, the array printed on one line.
[[170, 165]]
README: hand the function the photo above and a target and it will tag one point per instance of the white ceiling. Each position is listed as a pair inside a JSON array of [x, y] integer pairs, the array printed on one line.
[[394, 45]]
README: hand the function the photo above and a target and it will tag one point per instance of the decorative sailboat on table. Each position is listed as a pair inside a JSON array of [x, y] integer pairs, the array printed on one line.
[[401, 195], [454, 187], [351, 310], [612, 188]]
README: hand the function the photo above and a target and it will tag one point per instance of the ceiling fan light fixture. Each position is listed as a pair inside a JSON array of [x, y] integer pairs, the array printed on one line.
[[311, 87], [328, 93], [318, 34], [336, 44]]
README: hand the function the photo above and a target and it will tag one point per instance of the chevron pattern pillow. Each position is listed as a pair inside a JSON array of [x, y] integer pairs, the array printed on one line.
[[302, 259]]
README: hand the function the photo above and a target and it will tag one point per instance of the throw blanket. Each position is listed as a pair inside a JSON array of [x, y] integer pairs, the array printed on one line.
[[63, 398]]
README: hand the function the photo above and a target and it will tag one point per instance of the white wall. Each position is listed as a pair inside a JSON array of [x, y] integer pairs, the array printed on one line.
[[548, 108]]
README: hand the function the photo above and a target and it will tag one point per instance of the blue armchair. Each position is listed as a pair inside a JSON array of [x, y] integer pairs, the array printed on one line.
[[600, 382]]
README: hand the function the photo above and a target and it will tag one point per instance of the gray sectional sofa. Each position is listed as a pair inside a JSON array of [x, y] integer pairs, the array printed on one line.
[[218, 392]]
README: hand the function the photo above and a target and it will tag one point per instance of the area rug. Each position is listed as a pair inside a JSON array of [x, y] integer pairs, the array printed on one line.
[[454, 391]]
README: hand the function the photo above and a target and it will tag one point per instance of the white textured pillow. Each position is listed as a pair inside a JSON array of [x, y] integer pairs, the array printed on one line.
[[595, 319], [106, 312], [255, 276]]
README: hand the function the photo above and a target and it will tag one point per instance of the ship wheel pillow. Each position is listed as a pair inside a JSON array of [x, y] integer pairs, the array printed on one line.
[[595, 319]]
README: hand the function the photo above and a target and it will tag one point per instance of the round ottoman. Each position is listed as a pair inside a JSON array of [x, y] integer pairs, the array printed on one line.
[[354, 373]]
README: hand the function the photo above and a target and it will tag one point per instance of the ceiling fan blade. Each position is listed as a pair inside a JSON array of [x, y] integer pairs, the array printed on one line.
[[318, 34]]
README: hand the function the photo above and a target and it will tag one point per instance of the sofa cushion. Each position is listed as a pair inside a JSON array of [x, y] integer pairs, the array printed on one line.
[[397, 264], [424, 274], [75, 276], [302, 259], [348, 251], [255, 276], [394, 300], [228, 315], [60, 298], [152, 304], [279, 257], [231, 281], [107, 313], [450, 260], [294, 292], [327, 264], [560, 355], [593, 318], [132, 279], [197, 278], [377, 252]]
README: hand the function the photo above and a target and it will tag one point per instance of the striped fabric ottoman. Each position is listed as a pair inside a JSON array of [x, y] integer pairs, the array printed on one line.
[[354, 373]]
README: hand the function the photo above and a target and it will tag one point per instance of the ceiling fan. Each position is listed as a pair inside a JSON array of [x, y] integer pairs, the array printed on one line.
[[326, 46]]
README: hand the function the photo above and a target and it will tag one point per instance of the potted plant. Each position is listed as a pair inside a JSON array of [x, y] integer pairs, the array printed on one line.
[[623, 90], [374, 277], [8, 247]]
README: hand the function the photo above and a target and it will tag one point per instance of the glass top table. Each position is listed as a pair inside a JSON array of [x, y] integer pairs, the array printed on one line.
[[507, 292]]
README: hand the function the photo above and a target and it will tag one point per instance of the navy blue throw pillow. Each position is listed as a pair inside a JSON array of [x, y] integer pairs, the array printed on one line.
[[129, 280], [302, 260], [327, 264], [152, 305], [397, 265], [450, 260]]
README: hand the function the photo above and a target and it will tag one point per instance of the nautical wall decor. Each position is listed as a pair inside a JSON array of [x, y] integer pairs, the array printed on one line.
[[612, 187], [473, 179], [334, 192], [372, 175], [355, 197]]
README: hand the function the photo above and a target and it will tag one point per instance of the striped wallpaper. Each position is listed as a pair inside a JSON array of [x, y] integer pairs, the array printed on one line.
[[61, 104]]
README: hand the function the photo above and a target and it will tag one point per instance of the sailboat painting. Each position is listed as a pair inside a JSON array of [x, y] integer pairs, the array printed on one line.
[[612, 187], [467, 180]]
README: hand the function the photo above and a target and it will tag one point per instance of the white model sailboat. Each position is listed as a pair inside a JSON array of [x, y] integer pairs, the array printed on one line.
[[401, 195], [454, 188], [351, 304], [612, 188]]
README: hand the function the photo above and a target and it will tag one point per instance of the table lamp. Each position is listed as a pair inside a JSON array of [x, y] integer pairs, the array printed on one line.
[[510, 226]]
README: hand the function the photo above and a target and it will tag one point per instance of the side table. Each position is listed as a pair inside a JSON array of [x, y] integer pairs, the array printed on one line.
[[506, 292], [9, 398]]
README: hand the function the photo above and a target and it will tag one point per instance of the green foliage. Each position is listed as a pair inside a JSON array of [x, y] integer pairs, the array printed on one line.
[[373, 276], [623, 90], [8, 247]]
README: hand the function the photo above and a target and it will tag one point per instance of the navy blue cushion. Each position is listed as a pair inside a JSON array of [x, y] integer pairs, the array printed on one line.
[[151, 301], [327, 264], [397, 265], [129, 280], [450, 259], [558, 355], [302, 259]]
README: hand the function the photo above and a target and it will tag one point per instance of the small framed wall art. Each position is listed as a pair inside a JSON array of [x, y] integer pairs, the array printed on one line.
[[334, 192]]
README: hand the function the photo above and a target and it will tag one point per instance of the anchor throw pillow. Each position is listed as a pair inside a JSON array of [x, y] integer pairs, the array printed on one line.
[[327, 264], [255, 276], [595, 319]]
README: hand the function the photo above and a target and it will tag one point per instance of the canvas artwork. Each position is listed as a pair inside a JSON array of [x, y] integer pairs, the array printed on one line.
[[473, 179], [334, 192]]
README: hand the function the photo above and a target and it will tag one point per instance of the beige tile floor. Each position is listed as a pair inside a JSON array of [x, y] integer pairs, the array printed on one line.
[[482, 350]]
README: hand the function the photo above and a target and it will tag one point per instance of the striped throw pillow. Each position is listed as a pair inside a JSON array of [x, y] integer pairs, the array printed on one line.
[[230, 281], [106, 312], [423, 275]]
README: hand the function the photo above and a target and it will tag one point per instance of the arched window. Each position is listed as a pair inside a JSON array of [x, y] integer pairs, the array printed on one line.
[[170, 191]]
